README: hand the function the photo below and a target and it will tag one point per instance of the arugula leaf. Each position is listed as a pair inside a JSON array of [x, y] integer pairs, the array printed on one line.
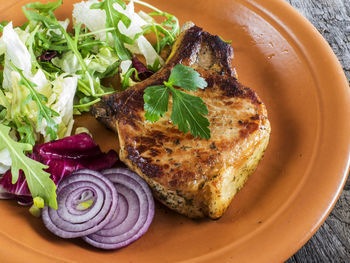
[[110, 71], [156, 66], [44, 112], [156, 102], [3, 113], [30, 44], [186, 78], [1, 75], [2, 25], [112, 20], [165, 32], [39, 182], [50, 21], [188, 111], [26, 133], [226, 41], [84, 104], [49, 68], [127, 77], [45, 8], [72, 44]]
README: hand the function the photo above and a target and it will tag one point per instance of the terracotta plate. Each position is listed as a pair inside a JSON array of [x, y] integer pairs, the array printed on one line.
[[281, 56]]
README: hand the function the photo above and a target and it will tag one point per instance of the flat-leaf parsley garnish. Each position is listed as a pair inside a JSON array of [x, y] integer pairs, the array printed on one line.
[[188, 111]]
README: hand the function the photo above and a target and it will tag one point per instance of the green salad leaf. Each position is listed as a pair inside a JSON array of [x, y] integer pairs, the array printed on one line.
[[44, 112], [188, 111], [26, 133], [47, 74], [79, 54], [51, 22], [45, 8], [166, 31], [39, 182], [112, 20], [2, 25]]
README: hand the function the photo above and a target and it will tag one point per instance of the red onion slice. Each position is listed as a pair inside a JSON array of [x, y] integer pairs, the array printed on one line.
[[136, 206], [68, 221]]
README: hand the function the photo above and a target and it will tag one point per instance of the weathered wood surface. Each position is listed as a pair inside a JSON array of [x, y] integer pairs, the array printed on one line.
[[331, 243]]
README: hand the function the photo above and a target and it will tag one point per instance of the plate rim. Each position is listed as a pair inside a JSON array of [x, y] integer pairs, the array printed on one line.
[[266, 7]]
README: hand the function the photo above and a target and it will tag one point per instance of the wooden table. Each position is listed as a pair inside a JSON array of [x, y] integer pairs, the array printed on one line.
[[331, 243]]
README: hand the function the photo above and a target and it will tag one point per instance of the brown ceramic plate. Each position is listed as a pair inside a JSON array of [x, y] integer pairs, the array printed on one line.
[[281, 56]]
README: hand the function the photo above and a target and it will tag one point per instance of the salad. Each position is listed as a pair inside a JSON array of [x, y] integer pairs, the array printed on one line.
[[52, 70]]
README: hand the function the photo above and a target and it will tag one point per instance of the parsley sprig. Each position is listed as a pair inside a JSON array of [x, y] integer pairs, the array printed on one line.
[[188, 111]]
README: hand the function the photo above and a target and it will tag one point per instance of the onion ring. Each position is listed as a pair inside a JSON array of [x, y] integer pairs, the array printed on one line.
[[136, 211], [70, 220]]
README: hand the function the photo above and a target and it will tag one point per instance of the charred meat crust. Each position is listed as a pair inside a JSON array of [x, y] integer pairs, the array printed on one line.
[[194, 43], [192, 176], [152, 142], [130, 101]]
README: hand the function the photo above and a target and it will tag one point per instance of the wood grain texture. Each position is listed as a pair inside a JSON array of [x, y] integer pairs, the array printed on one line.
[[331, 243]]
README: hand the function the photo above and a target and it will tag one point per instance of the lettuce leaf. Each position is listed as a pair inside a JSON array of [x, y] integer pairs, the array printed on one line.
[[16, 52], [135, 30], [5, 160], [82, 14], [68, 62], [61, 101]]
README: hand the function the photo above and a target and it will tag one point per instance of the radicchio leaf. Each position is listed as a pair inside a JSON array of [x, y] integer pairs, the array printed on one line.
[[47, 55], [142, 71], [62, 157]]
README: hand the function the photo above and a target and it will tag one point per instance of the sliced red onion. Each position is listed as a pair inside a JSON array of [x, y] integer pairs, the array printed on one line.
[[70, 220], [134, 214]]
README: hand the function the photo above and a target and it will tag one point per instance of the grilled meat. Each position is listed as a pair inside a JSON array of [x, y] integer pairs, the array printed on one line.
[[193, 176]]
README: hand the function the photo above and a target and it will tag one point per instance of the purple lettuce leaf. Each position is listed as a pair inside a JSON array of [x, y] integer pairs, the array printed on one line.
[[142, 71], [62, 158], [47, 55]]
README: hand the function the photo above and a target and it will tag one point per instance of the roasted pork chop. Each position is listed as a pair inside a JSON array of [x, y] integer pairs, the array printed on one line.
[[193, 176]]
